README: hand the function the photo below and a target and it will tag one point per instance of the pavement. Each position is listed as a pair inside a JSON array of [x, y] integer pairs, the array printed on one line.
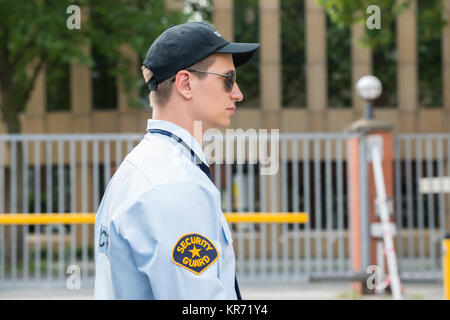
[[303, 291]]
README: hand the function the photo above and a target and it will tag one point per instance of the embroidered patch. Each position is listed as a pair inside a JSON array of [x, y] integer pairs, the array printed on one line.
[[194, 252], [103, 240]]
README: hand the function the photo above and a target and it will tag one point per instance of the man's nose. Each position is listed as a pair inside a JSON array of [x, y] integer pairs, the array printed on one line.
[[236, 93]]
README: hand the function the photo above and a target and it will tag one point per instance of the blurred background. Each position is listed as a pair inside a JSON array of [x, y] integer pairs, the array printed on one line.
[[73, 103]]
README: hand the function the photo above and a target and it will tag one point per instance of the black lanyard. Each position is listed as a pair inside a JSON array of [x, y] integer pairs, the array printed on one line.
[[202, 167]]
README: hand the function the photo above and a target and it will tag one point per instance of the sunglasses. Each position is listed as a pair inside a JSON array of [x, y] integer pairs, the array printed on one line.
[[230, 78]]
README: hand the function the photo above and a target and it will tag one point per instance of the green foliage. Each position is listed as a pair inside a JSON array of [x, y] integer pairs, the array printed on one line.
[[429, 47], [34, 32], [383, 43], [339, 65], [293, 53], [58, 85], [246, 29], [347, 12], [203, 9], [385, 68]]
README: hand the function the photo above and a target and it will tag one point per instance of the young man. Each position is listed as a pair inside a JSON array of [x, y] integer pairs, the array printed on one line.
[[160, 232]]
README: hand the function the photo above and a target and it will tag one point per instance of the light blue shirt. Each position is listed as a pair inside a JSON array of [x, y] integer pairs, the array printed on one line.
[[160, 232]]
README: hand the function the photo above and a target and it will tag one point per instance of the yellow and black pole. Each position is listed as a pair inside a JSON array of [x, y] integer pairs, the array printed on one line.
[[446, 265]]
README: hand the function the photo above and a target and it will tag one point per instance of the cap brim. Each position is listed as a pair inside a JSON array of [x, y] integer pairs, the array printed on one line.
[[241, 51]]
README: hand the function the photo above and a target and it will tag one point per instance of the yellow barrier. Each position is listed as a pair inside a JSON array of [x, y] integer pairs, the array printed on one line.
[[446, 266], [89, 218]]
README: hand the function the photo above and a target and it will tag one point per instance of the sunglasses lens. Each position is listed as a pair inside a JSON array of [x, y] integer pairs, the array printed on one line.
[[231, 79]]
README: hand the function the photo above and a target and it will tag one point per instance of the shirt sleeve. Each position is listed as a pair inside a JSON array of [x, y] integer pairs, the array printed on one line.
[[174, 237]]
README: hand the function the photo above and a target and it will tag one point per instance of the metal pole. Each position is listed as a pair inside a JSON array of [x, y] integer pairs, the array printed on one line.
[[369, 109], [375, 147]]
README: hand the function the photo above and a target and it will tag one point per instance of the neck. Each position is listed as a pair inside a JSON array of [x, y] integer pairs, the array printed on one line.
[[195, 128]]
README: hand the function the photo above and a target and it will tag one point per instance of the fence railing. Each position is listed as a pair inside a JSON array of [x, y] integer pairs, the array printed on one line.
[[422, 210], [68, 174]]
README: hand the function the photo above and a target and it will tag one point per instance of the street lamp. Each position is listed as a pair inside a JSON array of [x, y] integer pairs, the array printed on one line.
[[369, 88]]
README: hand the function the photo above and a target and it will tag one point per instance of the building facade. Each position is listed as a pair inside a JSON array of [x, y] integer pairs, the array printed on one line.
[[315, 116]]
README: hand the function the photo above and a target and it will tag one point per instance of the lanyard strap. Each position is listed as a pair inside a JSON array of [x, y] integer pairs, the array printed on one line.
[[202, 167]]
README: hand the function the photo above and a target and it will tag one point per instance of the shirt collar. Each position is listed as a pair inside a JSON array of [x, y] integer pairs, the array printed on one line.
[[187, 138]]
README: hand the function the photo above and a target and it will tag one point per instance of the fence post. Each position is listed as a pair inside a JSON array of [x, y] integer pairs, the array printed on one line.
[[362, 193]]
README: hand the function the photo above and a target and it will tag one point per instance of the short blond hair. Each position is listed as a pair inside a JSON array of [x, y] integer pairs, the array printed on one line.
[[161, 95]]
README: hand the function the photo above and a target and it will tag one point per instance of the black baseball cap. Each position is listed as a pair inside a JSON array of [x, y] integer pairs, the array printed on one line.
[[181, 46]]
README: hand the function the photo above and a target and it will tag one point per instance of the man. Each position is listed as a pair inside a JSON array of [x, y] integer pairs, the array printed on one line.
[[160, 232]]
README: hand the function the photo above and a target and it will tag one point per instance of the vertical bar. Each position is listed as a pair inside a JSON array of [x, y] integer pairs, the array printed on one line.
[[284, 208], [95, 175], [84, 208], [263, 227], [2, 210], [61, 206], [13, 209], [118, 153], [240, 203], [441, 185], [229, 187], [217, 176], [37, 209], [251, 208], [364, 205], [129, 145], [398, 200], [295, 207], [73, 198], [273, 227], [318, 206], [307, 206], [25, 209], [430, 207], [448, 175], [49, 207], [106, 164], [409, 199], [329, 206], [340, 205], [420, 207]]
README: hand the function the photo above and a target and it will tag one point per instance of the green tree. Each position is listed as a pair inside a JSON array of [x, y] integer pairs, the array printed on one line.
[[35, 32], [382, 42], [246, 29], [348, 12], [292, 16]]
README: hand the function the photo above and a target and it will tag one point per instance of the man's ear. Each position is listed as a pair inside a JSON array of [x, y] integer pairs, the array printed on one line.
[[183, 81]]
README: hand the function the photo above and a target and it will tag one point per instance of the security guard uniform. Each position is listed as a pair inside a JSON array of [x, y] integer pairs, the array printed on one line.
[[160, 232]]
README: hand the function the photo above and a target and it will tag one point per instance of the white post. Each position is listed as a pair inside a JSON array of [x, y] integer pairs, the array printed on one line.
[[375, 144]]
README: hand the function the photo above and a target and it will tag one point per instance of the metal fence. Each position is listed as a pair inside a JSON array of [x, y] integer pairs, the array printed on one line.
[[53, 174], [69, 173], [422, 209]]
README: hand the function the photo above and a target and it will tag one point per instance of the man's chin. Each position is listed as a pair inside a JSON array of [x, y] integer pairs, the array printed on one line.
[[223, 124]]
